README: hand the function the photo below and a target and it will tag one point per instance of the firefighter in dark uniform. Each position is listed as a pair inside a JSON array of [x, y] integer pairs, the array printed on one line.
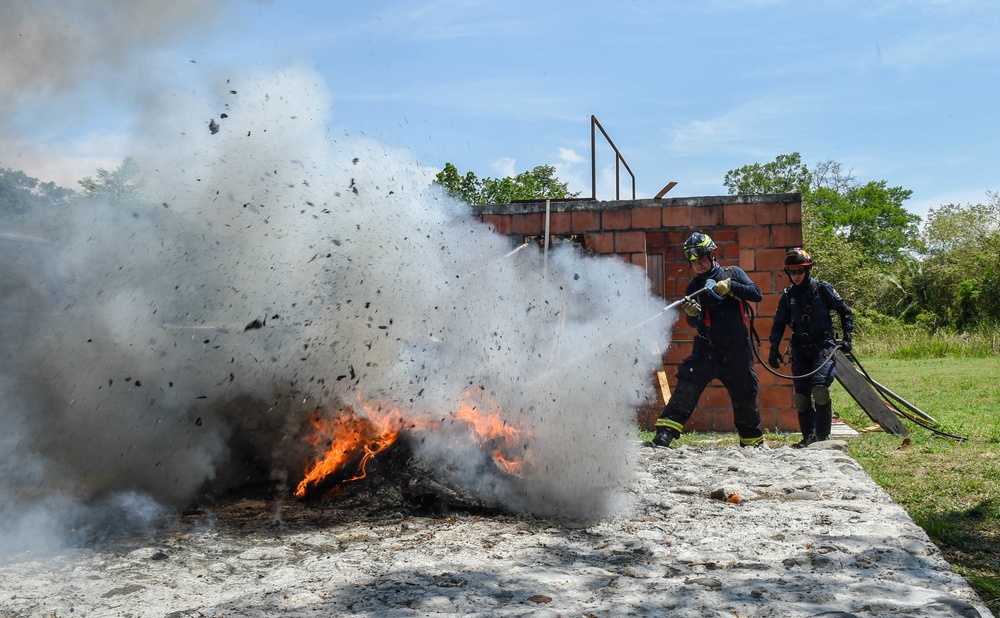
[[806, 306], [722, 348]]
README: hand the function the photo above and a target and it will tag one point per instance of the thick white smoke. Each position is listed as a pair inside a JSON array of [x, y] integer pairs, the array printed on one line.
[[277, 270]]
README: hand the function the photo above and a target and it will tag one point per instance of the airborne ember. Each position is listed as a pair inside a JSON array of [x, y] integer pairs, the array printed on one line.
[[379, 290]]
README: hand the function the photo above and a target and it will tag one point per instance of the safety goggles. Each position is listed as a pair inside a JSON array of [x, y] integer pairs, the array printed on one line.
[[691, 255], [791, 272]]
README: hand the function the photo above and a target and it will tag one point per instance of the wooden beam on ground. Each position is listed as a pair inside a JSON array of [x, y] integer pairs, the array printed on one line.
[[858, 387]]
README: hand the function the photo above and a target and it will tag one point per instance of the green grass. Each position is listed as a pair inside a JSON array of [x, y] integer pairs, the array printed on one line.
[[908, 341], [950, 488]]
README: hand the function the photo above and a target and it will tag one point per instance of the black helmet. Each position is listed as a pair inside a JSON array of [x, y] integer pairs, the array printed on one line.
[[798, 257], [697, 245]]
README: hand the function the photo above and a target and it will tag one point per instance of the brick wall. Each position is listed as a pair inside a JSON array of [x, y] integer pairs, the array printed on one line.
[[752, 232]]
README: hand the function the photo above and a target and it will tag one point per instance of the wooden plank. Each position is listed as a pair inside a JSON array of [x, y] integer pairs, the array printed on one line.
[[664, 385], [663, 191], [864, 393]]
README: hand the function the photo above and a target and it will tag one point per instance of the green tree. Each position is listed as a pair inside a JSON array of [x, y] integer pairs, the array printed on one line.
[[786, 174], [537, 184], [466, 187], [20, 193], [30, 206], [118, 187], [959, 280], [870, 216]]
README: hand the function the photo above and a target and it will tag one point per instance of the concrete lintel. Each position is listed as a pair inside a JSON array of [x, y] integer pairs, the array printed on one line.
[[580, 205]]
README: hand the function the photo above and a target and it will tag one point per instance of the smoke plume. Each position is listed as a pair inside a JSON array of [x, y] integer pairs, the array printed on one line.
[[272, 271]]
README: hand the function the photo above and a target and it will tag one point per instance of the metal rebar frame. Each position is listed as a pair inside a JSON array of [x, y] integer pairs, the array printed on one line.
[[619, 161]]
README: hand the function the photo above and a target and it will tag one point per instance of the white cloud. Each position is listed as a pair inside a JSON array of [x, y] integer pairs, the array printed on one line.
[[569, 155], [63, 163], [504, 166]]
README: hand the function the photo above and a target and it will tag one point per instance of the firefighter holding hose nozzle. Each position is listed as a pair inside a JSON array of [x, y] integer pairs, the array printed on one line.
[[806, 307], [722, 348]]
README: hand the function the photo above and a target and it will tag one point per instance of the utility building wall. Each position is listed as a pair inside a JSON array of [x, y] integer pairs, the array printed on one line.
[[752, 232]]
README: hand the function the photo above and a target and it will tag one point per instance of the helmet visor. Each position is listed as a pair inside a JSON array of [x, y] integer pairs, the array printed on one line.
[[693, 253]]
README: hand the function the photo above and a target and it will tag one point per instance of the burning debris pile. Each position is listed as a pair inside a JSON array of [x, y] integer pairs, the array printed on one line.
[[510, 378], [379, 442]]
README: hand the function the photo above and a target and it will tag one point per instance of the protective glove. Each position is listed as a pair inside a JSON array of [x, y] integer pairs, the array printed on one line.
[[718, 289], [691, 307], [774, 358], [845, 346]]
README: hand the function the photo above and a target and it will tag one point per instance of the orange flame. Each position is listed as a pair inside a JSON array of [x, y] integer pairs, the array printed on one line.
[[491, 428], [350, 435]]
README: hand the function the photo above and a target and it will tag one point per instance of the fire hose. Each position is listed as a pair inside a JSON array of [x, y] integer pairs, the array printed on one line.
[[914, 415]]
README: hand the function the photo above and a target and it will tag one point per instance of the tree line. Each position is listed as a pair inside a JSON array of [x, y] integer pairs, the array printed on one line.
[[941, 273], [938, 273]]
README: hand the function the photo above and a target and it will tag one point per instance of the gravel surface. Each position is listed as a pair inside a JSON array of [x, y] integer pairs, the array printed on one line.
[[702, 532]]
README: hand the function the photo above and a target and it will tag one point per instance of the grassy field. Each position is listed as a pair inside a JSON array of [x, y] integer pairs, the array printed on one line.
[[951, 488]]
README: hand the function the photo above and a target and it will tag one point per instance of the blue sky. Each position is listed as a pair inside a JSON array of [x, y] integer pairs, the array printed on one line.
[[901, 91]]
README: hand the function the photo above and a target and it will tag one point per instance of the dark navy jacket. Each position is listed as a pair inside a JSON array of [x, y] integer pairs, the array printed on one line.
[[806, 307], [723, 321]]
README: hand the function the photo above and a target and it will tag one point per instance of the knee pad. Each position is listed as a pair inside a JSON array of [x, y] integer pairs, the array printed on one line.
[[800, 401], [821, 395]]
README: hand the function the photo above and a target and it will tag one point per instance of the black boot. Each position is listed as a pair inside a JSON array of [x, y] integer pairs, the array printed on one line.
[[806, 441], [663, 438]]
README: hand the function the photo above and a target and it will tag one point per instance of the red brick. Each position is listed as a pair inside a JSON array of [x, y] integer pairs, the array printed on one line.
[[655, 239], [586, 221], [559, 223], [616, 220], [714, 397], [793, 212], [604, 243], [676, 354], [527, 223], [788, 419], [765, 377], [677, 216], [701, 420], [771, 259], [748, 260], [762, 279], [786, 236], [762, 324], [776, 396], [731, 253], [770, 214], [677, 238], [722, 420], [757, 236], [738, 214], [646, 417], [722, 235], [769, 306], [768, 419], [647, 218], [630, 242], [673, 288], [639, 259], [709, 216], [677, 269], [501, 223]]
